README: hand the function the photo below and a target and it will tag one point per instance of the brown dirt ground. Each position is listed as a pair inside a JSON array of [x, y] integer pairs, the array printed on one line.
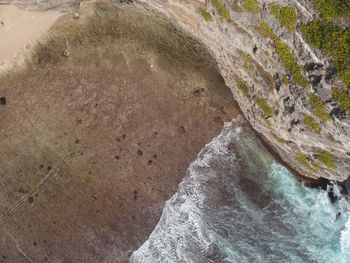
[[92, 145]]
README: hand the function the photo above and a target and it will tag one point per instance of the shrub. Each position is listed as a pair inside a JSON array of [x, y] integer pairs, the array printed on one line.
[[310, 124], [332, 40], [301, 158], [251, 6], [286, 15], [318, 109], [285, 80], [326, 158], [342, 98], [268, 111], [242, 85], [265, 119], [332, 9], [260, 69], [205, 14], [223, 11], [282, 141], [285, 54], [267, 53], [236, 8]]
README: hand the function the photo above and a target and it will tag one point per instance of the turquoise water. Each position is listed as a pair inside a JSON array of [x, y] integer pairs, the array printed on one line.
[[236, 204]]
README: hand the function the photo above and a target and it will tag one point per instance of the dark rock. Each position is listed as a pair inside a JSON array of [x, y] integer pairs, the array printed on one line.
[[231, 146], [3, 101], [294, 123], [255, 49], [315, 80], [150, 162], [155, 156], [331, 73], [182, 129], [116, 157], [49, 168], [41, 166], [278, 81], [118, 139], [30, 199], [140, 153], [312, 66], [124, 136], [338, 113]]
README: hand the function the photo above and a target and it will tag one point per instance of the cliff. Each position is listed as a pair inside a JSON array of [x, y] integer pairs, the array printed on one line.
[[294, 94]]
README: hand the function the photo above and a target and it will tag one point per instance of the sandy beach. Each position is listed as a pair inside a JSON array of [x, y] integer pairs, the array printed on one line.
[[19, 30]]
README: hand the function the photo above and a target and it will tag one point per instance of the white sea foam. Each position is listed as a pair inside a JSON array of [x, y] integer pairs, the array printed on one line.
[[235, 205]]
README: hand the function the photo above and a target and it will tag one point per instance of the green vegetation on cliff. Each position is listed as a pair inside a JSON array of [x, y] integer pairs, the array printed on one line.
[[342, 98], [311, 124], [242, 85], [331, 9], [286, 15], [268, 111], [301, 158], [205, 14], [236, 8], [285, 54], [333, 41], [326, 158], [251, 6], [318, 109], [221, 8], [265, 119]]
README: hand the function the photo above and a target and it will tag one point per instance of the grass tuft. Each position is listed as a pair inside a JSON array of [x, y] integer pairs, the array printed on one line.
[[334, 41], [242, 85], [251, 6], [236, 8], [285, 54], [331, 9], [222, 9], [318, 109], [327, 159], [301, 158], [268, 111], [311, 125], [286, 15], [342, 98], [205, 14]]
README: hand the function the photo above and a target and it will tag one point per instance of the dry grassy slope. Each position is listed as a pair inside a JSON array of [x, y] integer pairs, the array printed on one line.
[[91, 145]]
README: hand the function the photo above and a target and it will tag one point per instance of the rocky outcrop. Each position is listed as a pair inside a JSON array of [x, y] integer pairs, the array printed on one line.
[[268, 94], [256, 76]]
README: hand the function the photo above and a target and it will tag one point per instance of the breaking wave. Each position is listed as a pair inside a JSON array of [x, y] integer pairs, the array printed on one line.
[[236, 204]]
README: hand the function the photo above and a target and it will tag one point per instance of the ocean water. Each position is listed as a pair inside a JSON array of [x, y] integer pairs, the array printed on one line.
[[236, 204]]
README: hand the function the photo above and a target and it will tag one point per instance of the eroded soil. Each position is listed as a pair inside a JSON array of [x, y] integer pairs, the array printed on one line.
[[93, 144]]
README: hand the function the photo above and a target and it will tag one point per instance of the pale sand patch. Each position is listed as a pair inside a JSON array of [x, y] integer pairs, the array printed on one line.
[[19, 30]]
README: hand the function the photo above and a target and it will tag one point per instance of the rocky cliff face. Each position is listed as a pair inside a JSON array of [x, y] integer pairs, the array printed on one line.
[[283, 111], [282, 84]]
